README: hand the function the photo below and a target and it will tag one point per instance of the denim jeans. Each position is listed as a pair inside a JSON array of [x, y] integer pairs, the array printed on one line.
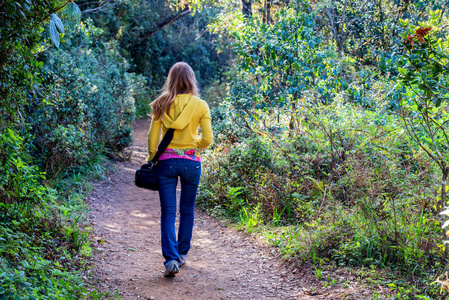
[[168, 172]]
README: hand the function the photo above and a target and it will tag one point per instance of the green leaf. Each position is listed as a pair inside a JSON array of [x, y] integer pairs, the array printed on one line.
[[54, 34], [402, 70], [11, 134], [77, 12], [420, 64], [420, 107], [70, 9], [74, 10], [19, 164], [392, 285], [57, 22], [403, 22]]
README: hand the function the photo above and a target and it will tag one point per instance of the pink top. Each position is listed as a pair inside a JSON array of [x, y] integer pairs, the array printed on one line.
[[192, 154]]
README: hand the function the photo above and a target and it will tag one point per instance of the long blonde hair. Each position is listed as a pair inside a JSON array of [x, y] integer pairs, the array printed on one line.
[[181, 80]]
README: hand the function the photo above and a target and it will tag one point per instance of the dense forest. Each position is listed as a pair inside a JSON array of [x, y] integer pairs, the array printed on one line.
[[331, 122]]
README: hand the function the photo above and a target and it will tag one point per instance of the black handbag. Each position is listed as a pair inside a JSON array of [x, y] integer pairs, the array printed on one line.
[[146, 176]]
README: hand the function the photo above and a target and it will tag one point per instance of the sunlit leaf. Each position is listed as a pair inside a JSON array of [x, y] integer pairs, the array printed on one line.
[[445, 224], [58, 23], [54, 34]]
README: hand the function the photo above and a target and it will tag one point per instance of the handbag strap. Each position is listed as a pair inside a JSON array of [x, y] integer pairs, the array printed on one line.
[[163, 145]]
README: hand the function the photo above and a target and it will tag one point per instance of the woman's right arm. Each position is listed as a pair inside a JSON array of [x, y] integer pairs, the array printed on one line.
[[154, 135], [206, 129]]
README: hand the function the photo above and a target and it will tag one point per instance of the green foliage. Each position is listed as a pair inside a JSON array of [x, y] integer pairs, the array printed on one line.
[[424, 91], [341, 179], [347, 188], [21, 28], [20, 181], [250, 218], [142, 95], [61, 109], [85, 103], [278, 61], [42, 243], [187, 39]]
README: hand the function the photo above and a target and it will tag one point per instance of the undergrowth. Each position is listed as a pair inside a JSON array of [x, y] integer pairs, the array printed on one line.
[[331, 204], [44, 243]]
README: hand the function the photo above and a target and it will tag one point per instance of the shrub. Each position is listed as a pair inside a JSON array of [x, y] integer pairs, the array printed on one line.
[[20, 181], [85, 103], [340, 188]]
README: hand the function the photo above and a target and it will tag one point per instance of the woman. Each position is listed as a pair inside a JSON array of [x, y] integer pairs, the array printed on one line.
[[180, 108]]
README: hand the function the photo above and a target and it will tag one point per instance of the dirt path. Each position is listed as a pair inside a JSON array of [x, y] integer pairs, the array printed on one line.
[[222, 264]]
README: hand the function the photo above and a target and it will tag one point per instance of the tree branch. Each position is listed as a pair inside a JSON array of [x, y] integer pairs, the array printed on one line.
[[412, 133], [14, 30], [442, 12], [334, 30], [166, 22], [97, 9], [53, 11]]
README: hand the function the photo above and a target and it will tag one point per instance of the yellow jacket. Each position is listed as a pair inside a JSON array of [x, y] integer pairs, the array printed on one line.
[[186, 115]]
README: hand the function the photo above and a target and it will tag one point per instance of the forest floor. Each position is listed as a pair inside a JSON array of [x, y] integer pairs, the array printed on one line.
[[223, 263]]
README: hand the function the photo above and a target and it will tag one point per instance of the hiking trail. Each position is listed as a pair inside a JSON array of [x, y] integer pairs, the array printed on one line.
[[222, 263]]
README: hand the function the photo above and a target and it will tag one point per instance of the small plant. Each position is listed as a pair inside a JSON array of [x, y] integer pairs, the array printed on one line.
[[329, 282], [235, 201], [272, 238], [276, 217], [76, 234], [315, 259], [318, 272], [250, 218]]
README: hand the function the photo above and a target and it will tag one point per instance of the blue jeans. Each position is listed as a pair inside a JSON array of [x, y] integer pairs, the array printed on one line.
[[168, 172]]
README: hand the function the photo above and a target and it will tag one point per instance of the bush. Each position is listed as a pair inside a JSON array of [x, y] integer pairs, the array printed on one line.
[[86, 102], [62, 110], [20, 181], [337, 189], [142, 95], [37, 246]]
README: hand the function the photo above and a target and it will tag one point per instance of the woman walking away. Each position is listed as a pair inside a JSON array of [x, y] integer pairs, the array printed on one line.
[[180, 108]]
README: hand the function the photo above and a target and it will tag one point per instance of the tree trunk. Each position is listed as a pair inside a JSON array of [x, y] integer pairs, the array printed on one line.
[[246, 8], [443, 188], [382, 17], [267, 12], [335, 32]]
